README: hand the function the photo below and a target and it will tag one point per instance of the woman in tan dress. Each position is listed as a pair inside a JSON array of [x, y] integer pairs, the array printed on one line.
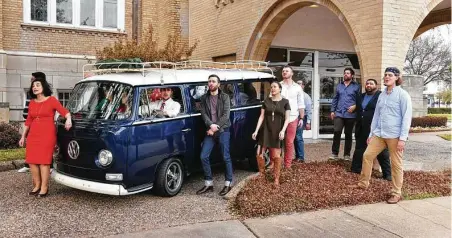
[[274, 118]]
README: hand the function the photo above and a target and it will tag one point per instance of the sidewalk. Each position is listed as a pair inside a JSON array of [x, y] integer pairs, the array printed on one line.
[[415, 218]]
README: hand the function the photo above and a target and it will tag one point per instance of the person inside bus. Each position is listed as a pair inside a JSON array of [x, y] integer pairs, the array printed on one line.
[[165, 107]]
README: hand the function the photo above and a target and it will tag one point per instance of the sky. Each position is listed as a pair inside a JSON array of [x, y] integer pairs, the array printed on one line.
[[445, 31]]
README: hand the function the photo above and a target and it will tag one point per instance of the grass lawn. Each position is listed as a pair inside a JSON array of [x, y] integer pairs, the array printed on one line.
[[12, 154], [446, 136], [449, 116], [325, 185]]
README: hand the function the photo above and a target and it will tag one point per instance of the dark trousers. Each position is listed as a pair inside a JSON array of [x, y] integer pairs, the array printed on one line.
[[339, 124], [361, 135]]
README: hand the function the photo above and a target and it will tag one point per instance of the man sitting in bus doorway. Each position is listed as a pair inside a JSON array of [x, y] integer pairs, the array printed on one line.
[[343, 114], [165, 107], [215, 110]]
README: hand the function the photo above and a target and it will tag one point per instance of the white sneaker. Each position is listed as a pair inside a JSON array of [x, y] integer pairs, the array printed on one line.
[[333, 157], [23, 170], [347, 157], [51, 170]]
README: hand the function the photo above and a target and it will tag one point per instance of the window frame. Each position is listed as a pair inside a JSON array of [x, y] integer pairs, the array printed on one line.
[[52, 16], [64, 100], [181, 115]]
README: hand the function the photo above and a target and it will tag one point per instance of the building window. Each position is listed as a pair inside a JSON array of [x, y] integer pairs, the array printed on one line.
[[64, 11], [63, 97], [38, 10], [91, 14]]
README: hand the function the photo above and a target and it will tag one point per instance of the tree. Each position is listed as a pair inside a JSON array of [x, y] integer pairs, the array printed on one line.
[[429, 56], [147, 49], [445, 96]]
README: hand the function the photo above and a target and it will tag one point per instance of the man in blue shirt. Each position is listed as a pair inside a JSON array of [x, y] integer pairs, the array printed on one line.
[[390, 127], [299, 142], [365, 111], [343, 112]]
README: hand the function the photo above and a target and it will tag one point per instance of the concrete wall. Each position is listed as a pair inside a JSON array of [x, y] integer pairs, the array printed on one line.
[[62, 72], [414, 85]]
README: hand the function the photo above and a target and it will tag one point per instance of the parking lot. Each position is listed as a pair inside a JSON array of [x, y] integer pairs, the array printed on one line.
[[68, 212]]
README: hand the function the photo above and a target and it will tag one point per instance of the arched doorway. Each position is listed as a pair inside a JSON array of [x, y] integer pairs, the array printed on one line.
[[317, 41], [428, 59]]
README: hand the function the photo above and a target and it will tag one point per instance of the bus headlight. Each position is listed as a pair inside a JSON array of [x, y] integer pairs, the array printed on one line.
[[105, 157]]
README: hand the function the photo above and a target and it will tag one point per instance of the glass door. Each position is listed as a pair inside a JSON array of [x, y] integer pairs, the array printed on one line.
[[306, 75], [328, 84]]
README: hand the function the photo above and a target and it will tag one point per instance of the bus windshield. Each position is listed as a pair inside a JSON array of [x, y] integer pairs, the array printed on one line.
[[101, 100]]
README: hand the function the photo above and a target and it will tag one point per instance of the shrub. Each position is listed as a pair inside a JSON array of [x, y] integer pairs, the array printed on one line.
[[434, 110], [428, 121], [147, 49], [9, 136]]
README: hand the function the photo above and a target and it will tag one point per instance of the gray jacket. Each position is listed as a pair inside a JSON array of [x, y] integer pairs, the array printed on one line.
[[223, 110]]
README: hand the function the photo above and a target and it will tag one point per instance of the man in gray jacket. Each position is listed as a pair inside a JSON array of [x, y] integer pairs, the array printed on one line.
[[215, 110]]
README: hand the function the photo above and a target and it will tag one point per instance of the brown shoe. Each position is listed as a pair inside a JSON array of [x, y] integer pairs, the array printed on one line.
[[277, 169], [394, 199], [261, 164]]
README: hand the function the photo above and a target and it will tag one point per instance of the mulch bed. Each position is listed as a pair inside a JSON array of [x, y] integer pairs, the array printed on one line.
[[321, 185]]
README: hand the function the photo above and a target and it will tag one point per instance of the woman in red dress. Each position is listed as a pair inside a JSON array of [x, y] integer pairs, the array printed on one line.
[[40, 134]]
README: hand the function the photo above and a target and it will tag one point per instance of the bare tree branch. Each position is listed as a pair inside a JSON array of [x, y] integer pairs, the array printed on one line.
[[430, 57]]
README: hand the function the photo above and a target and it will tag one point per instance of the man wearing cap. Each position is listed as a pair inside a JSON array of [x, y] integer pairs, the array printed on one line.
[[389, 129]]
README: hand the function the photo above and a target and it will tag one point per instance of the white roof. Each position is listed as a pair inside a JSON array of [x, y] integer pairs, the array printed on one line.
[[178, 76]]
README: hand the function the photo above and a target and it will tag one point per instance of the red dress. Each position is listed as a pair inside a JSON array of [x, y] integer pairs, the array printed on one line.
[[41, 136]]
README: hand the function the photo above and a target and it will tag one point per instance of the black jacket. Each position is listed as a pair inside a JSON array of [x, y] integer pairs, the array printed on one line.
[[223, 110], [364, 117]]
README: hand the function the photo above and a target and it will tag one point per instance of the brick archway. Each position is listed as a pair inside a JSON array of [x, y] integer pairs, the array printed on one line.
[[434, 19], [269, 24]]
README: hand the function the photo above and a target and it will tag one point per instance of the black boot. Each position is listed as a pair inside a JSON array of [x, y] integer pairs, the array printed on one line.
[[205, 189], [225, 190]]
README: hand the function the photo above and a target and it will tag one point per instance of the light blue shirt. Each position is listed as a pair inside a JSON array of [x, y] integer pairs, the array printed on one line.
[[308, 108], [392, 118]]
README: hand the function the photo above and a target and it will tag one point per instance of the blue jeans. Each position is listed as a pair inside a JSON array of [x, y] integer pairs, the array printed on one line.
[[299, 142], [207, 147]]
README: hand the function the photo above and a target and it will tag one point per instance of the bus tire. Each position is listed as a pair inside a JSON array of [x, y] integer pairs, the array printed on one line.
[[169, 178]]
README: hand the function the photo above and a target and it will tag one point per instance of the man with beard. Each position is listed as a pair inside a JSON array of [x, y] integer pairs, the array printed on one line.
[[294, 93], [365, 113], [343, 113], [390, 127], [215, 110]]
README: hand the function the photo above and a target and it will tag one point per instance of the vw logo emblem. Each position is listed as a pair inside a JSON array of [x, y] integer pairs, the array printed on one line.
[[73, 149]]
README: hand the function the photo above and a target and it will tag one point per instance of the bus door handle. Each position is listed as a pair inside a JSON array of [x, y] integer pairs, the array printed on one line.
[[186, 130]]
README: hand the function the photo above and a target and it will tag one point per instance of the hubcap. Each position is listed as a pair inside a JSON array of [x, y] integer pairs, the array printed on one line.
[[173, 177]]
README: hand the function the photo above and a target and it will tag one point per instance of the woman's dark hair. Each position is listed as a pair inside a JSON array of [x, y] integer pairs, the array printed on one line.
[[277, 82], [351, 70], [39, 75], [46, 88]]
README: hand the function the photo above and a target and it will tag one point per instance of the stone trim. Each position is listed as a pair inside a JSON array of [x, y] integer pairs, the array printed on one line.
[[73, 30], [38, 54]]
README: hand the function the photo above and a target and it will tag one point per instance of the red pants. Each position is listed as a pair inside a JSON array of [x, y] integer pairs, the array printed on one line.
[[289, 150]]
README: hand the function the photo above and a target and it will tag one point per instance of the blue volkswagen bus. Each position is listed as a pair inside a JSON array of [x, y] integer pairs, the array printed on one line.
[[120, 144]]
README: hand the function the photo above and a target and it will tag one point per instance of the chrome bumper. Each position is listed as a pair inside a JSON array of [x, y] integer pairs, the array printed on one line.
[[95, 187]]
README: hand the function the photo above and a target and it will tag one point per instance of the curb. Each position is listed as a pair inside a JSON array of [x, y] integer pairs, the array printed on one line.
[[236, 189], [11, 165]]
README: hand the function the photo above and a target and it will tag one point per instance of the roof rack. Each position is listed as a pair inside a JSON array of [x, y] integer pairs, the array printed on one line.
[[158, 66]]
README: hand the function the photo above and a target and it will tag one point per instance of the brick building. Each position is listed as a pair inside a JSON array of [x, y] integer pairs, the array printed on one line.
[[318, 37]]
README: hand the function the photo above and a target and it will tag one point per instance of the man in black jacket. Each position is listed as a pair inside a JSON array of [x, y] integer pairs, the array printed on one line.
[[215, 110], [366, 109]]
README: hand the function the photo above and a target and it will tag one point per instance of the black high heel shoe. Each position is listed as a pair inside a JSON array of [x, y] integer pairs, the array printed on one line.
[[34, 193], [42, 195]]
